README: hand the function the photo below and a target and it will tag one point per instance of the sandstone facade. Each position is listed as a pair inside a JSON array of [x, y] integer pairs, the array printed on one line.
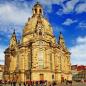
[[37, 56]]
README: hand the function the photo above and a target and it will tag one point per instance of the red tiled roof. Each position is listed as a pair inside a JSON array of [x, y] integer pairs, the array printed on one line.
[[81, 67]]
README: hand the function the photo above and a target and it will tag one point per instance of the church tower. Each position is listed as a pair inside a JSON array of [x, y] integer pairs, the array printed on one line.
[[13, 40], [11, 57], [38, 57], [13, 49], [65, 59], [61, 41]]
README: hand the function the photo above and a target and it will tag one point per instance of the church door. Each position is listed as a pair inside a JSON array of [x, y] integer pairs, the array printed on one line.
[[41, 76]]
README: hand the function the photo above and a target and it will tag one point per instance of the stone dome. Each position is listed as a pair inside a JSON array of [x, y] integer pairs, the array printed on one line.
[[37, 27], [30, 26]]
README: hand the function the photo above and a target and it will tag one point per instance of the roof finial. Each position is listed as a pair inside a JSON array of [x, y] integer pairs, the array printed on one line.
[[14, 31], [61, 36], [60, 32], [37, 2]]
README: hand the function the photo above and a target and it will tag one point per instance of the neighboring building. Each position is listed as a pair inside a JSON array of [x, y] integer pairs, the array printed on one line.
[[78, 72], [38, 56], [1, 71], [74, 69]]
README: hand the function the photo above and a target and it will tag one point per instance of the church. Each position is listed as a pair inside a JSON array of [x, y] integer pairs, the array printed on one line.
[[37, 56]]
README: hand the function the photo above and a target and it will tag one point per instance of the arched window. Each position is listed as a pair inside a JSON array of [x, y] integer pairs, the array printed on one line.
[[40, 59], [35, 10], [41, 76], [52, 76], [40, 32], [40, 10]]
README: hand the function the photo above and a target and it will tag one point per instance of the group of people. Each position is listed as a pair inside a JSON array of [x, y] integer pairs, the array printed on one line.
[[33, 83], [67, 82]]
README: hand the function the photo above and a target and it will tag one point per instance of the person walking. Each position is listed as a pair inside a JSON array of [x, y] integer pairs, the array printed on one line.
[[24, 84], [14, 83], [19, 83], [82, 80]]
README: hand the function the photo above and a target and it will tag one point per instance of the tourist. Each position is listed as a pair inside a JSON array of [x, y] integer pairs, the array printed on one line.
[[82, 80], [24, 84], [19, 83]]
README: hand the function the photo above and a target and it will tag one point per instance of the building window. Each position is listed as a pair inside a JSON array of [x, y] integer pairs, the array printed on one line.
[[40, 59], [40, 10], [35, 10], [41, 76], [53, 76], [51, 61]]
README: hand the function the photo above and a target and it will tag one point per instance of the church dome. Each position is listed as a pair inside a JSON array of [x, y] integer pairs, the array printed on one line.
[[30, 26]]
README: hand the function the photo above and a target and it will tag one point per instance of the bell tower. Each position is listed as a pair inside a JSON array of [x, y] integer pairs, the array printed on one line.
[[37, 9]]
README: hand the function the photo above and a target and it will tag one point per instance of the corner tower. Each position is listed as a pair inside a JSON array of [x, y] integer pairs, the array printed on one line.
[[13, 40], [61, 40]]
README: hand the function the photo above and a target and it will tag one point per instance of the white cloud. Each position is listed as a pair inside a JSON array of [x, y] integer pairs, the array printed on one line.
[[81, 40], [48, 3], [82, 25], [69, 6], [78, 52], [78, 6], [81, 8], [13, 17], [7, 30], [12, 14], [2, 49], [69, 21]]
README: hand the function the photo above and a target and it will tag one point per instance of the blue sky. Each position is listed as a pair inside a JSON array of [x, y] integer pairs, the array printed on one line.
[[67, 16]]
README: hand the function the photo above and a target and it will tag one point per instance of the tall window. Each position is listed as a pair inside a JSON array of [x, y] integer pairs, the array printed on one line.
[[35, 10], [41, 76], [40, 55], [40, 59], [40, 10]]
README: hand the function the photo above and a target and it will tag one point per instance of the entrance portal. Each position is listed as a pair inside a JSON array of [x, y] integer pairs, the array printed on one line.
[[41, 76]]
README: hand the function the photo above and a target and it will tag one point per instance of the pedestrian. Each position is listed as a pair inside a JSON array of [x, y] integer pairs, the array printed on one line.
[[14, 83], [24, 84], [29, 83], [19, 83], [66, 82], [11, 83], [82, 80], [36, 83]]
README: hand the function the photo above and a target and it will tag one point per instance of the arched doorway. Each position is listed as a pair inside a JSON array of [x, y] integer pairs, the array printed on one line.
[[41, 76]]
